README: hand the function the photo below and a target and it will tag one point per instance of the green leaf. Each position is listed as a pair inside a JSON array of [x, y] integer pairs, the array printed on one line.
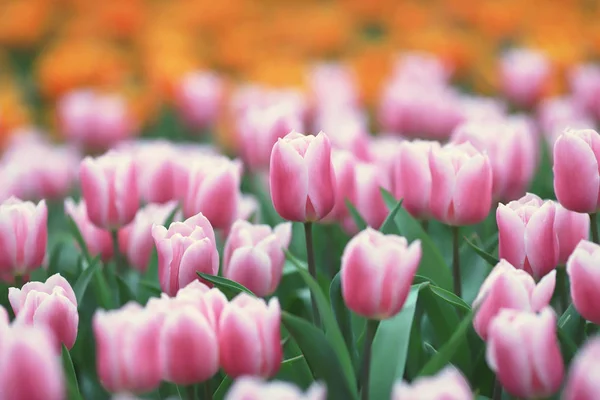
[[223, 388], [389, 225], [446, 352], [78, 238], [53, 261], [358, 219], [390, 348], [490, 259], [84, 279], [332, 330], [432, 264], [341, 312], [320, 356], [570, 331], [70, 376], [125, 292], [450, 298], [151, 288], [224, 283]]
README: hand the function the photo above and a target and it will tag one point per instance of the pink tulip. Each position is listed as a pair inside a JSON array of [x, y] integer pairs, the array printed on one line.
[[584, 275], [157, 179], [368, 198], [377, 271], [448, 384], [213, 188], [23, 237], [250, 388], [254, 257], [571, 228], [384, 152], [185, 248], [210, 302], [98, 241], [109, 188], [582, 383], [584, 80], [577, 170], [508, 287], [135, 239], [348, 130], [127, 349], [457, 172], [30, 367], [557, 114], [51, 304], [248, 208], [422, 67], [259, 128], [524, 75], [523, 351], [249, 337], [511, 147], [302, 178], [334, 87], [411, 177], [198, 98], [188, 347], [344, 166], [526, 235]]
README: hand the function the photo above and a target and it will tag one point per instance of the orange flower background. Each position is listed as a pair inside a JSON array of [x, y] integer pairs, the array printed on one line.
[[142, 48]]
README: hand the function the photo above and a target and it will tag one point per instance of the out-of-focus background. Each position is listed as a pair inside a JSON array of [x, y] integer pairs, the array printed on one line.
[[142, 49]]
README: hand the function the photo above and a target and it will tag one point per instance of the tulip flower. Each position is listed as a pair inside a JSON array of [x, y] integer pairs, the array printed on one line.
[[135, 239], [526, 235], [158, 174], [254, 257], [302, 178], [523, 351], [97, 241], [584, 81], [23, 237], [582, 383], [347, 130], [571, 228], [198, 98], [51, 304], [334, 87], [524, 76], [583, 268], [109, 188], [448, 384], [508, 287], [250, 388], [344, 166], [249, 337], [210, 302], [30, 367], [377, 271], [184, 249], [127, 351]]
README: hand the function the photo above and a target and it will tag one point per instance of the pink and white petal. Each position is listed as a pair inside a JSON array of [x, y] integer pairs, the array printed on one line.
[[288, 182], [511, 234]]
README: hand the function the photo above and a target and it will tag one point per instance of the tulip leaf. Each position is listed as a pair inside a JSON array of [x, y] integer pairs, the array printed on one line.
[[321, 357], [341, 312], [223, 388], [70, 376], [53, 261], [76, 233], [432, 264], [332, 330], [84, 279], [389, 226], [149, 289], [490, 259], [390, 347], [171, 217], [447, 351], [570, 331], [226, 284], [360, 222], [450, 298], [125, 292]]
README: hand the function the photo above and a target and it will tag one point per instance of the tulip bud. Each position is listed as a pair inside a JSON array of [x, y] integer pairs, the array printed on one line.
[[584, 81], [210, 302], [109, 188], [524, 76], [570, 228], [583, 271], [582, 383], [458, 171], [135, 239], [302, 178], [411, 177], [198, 97], [448, 384], [377, 271], [250, 388], [127, 349], [158, 178], [249, 337], [213, 188], [344, 165], [508, 287], [368, 198], [98, 241], [51, 304], [526, 235], [576, 170], [254, 255], [523, 351], [185, 248], [23, 237], [30, 367]]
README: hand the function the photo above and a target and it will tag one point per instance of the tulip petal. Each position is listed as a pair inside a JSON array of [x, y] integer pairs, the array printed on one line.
[[475, 176], [288, 182], [541, 242], [511, 232], [321, 176]]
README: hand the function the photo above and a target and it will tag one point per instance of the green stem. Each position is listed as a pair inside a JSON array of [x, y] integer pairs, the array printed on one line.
[[208, 394], [594, 226], [367, 352], [312, 269], [497, 395], [456, 261], [191, 392], [425, 225], [117, 256], [562, 287], [18, 281]]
